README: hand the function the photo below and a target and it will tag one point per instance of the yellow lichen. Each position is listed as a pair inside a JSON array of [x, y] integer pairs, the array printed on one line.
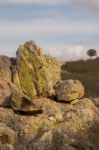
[[26, 79], [72, 96]]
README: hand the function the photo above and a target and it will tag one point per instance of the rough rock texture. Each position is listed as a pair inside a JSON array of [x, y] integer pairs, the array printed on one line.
[[5, 78], [5, 68], [7, 135], [5, 91], [6, 147], [96, 101], [35, 74], [35, 122], [59, 126], [69, 90], [20, 102]]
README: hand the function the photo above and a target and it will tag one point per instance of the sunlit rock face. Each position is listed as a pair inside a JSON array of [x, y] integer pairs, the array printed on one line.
[[69, 90], [5, 78], [35, 74], [5, 68]]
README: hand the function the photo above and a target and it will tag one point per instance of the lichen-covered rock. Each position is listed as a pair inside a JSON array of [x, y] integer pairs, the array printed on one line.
[[59, 126], [5, 91], [5, 79], [73, 131], [7, 135], [21, 102], [5, 68], [69, 90], [35, 74]]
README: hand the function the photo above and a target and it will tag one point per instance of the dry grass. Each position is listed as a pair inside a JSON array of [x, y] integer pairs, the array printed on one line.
[[85, 71]]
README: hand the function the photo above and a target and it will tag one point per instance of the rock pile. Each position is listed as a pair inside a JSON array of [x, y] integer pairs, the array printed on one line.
[[33, 74], [34, 113]]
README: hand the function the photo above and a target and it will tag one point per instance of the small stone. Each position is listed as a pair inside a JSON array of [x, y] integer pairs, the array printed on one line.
[[59, 117], [69, 115], [52, 119], [75, 101]]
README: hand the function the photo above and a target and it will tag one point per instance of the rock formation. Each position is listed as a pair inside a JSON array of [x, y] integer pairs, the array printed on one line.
[[38, 111], [59, 126], [69, 90], [35, 74]]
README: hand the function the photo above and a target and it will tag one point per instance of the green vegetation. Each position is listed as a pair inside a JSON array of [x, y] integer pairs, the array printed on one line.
[[87, 71]]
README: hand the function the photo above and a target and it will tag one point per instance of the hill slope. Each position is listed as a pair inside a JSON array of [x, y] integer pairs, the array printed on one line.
[[85, 71]]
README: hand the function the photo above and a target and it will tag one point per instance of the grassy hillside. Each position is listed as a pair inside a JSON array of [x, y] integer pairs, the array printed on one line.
[[85, 71]]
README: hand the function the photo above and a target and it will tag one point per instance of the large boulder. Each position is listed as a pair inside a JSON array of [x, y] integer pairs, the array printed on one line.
[[34, 73], [69, 90]]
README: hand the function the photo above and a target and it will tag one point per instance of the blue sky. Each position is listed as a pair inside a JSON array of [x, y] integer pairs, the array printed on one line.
[[63, 28]]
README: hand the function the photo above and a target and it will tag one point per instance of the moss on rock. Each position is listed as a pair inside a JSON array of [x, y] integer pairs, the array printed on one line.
[[36, 73]]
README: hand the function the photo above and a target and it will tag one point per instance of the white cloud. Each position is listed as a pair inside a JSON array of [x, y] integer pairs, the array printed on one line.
[[60, 51], [67, 52], [39, 2], [46, 28]]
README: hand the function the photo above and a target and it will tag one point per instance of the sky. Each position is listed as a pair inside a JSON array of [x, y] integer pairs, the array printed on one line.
[[65, 29]]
